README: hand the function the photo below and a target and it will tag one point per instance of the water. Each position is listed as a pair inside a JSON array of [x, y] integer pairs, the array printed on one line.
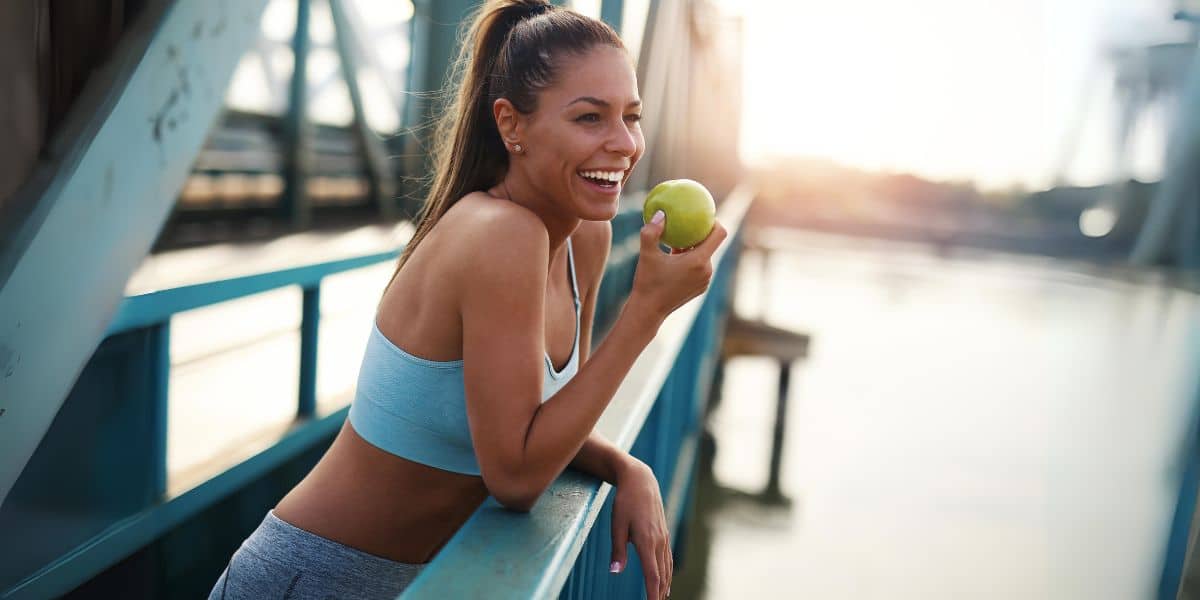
[[966, 426]]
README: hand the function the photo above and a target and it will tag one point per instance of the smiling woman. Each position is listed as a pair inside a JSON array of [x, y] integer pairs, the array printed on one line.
[[591, 142], [478, 378]]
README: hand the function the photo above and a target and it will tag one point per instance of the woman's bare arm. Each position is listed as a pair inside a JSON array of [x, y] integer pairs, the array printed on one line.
[[593, 240], [522, 444]]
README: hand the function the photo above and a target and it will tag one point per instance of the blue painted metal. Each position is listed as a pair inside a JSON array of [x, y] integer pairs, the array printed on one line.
[[309, 325], [379, 170], [160, 357], [611, 12], [618, 274], [679, 488], [435, 47], [297, 129], [88, 216], [1170, 233], [562, 547], [523, 555], [154, 307], [99, 463], [1175, 561], [130, 528], [136, 531], [1172, 228], [435, 26], [660, 40]]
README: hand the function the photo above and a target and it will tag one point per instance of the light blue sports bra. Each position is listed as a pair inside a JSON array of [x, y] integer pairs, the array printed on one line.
[[416, 408]]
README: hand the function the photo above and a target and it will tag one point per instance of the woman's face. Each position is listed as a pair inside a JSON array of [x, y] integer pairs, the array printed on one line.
[[584, 138]]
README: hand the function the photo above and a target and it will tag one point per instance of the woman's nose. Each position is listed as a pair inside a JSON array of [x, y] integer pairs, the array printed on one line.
[[622, 141]]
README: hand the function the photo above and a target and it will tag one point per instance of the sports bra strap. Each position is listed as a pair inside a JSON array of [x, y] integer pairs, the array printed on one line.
[[571, 270]]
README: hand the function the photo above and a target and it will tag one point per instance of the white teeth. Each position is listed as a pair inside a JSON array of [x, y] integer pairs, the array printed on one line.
[[614, 176]]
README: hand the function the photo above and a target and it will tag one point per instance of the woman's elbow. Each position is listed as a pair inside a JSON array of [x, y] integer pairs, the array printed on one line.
[[522, 503], [513, 494]]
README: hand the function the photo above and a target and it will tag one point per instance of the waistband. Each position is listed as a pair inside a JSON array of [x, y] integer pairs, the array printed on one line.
[[284, 543]]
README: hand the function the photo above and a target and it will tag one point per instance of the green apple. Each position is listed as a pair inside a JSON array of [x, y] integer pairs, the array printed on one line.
[[689, 208]]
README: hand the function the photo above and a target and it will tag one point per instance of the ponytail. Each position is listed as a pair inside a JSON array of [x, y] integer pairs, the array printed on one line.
[[509, 52]]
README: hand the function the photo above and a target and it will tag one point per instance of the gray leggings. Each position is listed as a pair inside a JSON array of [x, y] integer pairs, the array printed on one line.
[[280, 561]]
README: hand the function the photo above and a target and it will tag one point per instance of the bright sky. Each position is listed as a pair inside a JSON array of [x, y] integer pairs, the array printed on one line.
[[980, 90], [983, 90]]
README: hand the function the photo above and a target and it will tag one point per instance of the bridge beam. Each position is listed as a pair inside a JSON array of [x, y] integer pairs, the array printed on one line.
[[611, 12], [85, 219], [297, 131], [434, 49], [1170, 231], [379, 169]]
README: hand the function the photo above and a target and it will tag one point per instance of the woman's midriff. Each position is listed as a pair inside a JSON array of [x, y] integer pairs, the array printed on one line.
[[368, 499]]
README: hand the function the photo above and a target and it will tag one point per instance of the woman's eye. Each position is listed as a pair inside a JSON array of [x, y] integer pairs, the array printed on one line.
[[633, 118], [589, 118]]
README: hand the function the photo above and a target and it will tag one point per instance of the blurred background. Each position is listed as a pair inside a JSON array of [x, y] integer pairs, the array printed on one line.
[[962, 357], [964, 205]]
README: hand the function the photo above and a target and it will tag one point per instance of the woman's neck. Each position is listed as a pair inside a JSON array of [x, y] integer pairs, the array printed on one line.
[[559, 223]]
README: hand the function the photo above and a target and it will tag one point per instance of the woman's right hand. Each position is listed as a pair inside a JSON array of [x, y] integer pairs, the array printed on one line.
[[664, 282]]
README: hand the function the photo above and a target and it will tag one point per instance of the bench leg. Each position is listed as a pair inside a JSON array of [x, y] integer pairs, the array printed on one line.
[[772, 492]]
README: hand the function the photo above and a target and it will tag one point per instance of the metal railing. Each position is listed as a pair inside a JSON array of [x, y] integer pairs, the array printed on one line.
[[655, 415]]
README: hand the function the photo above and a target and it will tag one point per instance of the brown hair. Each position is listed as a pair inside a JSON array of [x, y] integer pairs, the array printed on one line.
[[510, 51]]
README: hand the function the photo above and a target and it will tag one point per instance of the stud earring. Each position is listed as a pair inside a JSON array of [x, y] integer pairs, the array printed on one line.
[[517, 148]]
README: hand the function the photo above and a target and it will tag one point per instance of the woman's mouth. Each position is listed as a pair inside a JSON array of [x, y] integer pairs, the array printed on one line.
[[605, 182]]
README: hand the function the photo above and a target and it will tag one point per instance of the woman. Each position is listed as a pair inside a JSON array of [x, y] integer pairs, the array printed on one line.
[[477, 379]]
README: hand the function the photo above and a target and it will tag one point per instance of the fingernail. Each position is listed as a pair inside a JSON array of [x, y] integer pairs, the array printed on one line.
[[615, 567], [658, 217]]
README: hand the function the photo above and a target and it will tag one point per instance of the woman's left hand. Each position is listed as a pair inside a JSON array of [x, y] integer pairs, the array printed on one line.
[[638, 517]]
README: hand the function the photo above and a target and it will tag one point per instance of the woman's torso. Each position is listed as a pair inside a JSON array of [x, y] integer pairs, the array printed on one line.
[[367, 498]]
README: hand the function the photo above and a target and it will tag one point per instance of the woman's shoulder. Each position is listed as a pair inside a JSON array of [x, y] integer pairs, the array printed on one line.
[[484, 221], [488, 231]]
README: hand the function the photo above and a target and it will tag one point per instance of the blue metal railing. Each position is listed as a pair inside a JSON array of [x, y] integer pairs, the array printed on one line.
[[155, 309], [147, 316], [655, 416]]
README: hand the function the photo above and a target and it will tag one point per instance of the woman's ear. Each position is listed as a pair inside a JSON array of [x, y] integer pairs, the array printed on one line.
[[507, 121]]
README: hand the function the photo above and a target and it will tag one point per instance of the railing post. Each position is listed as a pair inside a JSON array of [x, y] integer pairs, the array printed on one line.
[[309, 323], [160, 356], [295, 204], [1179, 536]]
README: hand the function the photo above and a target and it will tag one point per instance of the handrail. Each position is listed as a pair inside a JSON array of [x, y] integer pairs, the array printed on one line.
[[504, 554], [155, 307]]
